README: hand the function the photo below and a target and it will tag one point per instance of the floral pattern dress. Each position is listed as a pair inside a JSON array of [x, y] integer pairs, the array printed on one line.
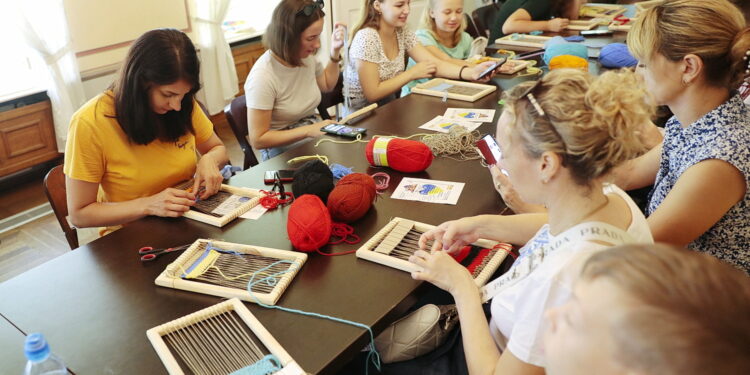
[[723, 134]]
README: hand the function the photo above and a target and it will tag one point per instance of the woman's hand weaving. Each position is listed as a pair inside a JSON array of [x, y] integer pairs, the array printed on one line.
[[440, 269], [208, 176], [450, 236]]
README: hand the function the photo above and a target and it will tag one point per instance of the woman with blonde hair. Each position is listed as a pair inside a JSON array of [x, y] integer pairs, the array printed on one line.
[[442, 34], [377, 56], [652, 310], [559, 136], [693, 55]]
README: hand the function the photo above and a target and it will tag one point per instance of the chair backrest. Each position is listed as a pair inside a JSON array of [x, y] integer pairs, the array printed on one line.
[[329, 99], [472, 28], [54, 187], [236, 113], [484, 17]]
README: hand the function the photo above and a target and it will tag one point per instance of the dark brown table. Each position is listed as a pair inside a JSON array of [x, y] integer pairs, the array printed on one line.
[[96, 302]]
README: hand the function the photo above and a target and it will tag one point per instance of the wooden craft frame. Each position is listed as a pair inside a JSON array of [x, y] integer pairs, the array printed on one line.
[[618, 9], [170, 277], [254, 194], [616, 26], [523, 65], [426, 89], [155, 335], [579, 25], [534, 41], [367, 251]]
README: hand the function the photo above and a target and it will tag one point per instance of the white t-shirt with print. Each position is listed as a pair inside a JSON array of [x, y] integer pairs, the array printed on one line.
[[290, 93], [367, 46], [518, 321]]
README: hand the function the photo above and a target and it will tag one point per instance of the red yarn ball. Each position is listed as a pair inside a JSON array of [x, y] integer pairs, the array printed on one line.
[[352, 197], [403, 155], [308, 223]]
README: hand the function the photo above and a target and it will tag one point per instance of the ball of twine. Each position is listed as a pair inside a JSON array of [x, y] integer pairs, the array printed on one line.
[[457, 144]]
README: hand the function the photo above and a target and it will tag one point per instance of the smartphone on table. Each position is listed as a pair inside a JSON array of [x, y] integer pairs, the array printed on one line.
[[596, 32], [343, 130], [285, 175]]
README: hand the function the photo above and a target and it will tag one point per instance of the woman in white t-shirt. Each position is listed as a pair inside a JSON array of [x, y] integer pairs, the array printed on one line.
[[559, 137], [284, 85], [377, 56]]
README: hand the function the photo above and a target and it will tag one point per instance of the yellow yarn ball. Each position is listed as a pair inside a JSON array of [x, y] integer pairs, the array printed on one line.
[[568, 61]]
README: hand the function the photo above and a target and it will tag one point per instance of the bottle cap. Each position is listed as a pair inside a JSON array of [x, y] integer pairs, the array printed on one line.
[[36, 348]]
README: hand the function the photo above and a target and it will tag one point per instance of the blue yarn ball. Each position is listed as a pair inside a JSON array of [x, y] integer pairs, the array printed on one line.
[[616, 55], [566, 48]]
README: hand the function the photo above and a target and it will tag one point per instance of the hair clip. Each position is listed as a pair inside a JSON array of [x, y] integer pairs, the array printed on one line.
[[747, 68], [536, 105]]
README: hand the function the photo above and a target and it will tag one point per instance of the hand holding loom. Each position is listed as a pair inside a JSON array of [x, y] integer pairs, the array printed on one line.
[[170, 202], [451, 236], [442, 270]]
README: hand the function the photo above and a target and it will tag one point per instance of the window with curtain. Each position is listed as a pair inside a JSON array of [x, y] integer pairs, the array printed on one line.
[[247, 18], [20, 71]]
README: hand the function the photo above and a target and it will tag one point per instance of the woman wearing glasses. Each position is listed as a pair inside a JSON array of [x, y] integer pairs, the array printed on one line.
[[560, 136], [284, 85]]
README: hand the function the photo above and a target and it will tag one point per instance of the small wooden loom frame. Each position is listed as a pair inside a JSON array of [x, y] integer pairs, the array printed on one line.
[[535, 41], [583, 24], [427, 88], [254, 194], [156, 335], [369, 251], [519, 65], [609, 11], [171, 276], [617, 26]]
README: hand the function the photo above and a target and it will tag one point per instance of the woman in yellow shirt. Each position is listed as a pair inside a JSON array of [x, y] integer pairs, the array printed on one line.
[[129, 145]]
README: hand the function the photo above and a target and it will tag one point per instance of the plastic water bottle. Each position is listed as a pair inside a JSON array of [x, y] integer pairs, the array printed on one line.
[[41, 360]]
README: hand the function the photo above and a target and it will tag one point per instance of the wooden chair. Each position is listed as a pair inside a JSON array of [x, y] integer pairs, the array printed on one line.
[[329, 99], [236, 113], [484, 17], [54, 187]]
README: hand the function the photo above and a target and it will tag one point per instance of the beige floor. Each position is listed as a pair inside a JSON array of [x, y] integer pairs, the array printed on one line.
[[34, 243]]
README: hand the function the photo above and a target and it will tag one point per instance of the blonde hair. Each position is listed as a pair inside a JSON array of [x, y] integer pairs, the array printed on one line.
[[368, 17], [428, 23], [714, 30], [591, 123], [692, 313]]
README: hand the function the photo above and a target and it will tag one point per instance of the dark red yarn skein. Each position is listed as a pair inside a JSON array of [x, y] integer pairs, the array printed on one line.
[[352, 197], [308, 223], [403, 155]]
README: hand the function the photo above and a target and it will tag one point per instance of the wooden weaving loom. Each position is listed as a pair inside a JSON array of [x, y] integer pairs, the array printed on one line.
[[398, 240], [223, 269], [226, 205], [219, 339], [459, 90]]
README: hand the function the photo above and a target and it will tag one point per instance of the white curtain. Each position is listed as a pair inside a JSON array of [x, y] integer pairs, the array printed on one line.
[[45, 29], [218, 75]]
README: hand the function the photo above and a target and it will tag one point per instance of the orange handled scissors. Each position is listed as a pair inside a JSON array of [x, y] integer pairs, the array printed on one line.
[[148, 253]]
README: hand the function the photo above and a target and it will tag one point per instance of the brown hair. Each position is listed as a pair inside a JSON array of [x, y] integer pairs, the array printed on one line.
[[282, 36], [714, 30], [693, 317], [368, 17], [158, 57], [428, 23], [591, 123]]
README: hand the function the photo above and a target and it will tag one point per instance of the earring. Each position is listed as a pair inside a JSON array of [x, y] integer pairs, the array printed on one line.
[[747, 68]]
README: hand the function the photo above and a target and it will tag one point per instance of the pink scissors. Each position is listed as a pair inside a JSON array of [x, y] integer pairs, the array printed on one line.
[[148, 253]]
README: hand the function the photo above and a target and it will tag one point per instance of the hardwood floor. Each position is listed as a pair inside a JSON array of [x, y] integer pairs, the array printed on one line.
[[36, 242]]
